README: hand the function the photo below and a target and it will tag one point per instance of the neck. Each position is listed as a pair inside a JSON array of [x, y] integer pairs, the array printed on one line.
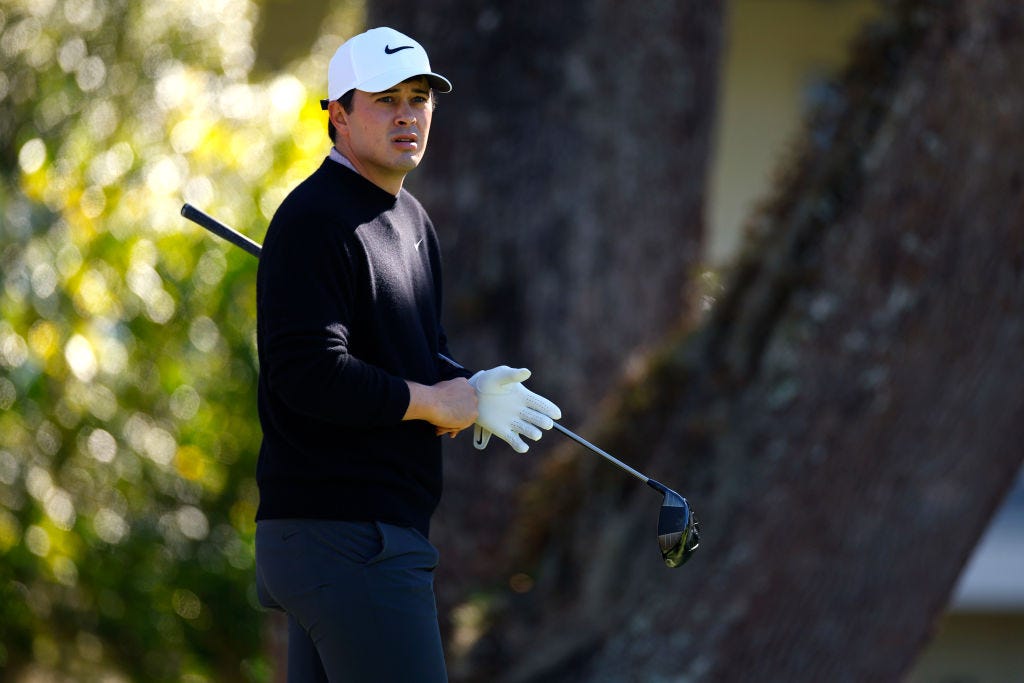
[[390, 183]]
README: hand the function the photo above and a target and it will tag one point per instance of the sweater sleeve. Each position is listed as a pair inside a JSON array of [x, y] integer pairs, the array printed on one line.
[[306, 308]]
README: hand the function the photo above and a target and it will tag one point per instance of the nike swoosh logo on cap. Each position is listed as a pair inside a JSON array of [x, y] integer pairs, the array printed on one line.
[[389, 51]]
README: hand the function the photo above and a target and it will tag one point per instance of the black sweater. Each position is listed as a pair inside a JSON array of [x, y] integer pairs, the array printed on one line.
[[348, 303]]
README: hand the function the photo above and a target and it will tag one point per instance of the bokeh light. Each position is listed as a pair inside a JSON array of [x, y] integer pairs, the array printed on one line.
[[128, 429]]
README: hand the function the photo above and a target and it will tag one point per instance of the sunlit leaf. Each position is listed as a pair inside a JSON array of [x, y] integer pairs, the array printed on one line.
[[128, 427]]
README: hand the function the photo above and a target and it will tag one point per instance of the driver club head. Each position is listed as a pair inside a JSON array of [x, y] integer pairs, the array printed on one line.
[[678, 529]]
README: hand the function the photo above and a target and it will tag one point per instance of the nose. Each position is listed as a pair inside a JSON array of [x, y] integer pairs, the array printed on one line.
[[405, 116]]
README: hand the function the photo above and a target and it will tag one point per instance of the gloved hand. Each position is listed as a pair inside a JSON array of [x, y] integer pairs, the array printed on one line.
[[507, 409]]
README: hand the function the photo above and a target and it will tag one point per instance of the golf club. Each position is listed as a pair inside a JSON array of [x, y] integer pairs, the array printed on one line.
[[678, 529]]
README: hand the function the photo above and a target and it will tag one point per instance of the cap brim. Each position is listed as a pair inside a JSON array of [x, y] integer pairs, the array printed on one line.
[[439, 82], [385, 81], [389, 79]]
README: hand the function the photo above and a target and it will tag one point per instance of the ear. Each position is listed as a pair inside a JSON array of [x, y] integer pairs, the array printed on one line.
[[338, 116]]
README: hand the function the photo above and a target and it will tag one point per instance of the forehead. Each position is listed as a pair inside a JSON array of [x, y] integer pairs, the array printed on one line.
[[416, 84]]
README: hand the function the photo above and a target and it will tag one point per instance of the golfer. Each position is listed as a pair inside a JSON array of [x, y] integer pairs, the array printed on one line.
[[356, 386]]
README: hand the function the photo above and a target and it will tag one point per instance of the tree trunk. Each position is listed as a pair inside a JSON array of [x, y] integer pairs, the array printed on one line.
[[569, 159], [845, 422]]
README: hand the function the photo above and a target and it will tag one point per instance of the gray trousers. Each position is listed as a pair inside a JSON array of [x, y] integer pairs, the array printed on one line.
[[359, 598]]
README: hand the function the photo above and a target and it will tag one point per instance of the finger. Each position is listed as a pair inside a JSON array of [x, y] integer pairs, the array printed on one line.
[[526, 429], [539, 419], [542, 405], [513, 440]]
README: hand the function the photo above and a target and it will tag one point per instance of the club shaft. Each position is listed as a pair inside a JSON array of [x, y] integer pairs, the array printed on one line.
[[216, 227], [607, 456]]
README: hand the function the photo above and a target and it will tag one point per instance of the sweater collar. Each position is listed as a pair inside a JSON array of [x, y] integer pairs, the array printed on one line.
[[335, 155], [343, 169]]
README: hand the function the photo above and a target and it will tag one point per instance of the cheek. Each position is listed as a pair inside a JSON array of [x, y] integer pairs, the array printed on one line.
[[365, 134]]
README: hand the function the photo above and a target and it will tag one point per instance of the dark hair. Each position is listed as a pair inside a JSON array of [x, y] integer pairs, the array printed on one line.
[[346, 103]]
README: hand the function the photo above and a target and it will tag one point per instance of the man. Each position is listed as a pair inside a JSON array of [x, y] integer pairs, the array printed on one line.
[[356, 385]]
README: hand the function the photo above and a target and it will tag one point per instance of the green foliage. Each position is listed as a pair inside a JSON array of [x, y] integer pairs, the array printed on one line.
[[128, 426]]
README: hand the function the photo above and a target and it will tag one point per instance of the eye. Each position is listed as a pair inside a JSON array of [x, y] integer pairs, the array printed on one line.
[[386, 99]]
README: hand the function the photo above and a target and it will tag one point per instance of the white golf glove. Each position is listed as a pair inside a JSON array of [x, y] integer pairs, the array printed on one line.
[[507, 409]]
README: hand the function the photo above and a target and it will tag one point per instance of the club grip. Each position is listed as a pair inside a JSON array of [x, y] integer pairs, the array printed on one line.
[[216, 227]]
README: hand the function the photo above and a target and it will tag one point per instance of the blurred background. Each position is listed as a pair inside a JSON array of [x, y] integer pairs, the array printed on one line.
[[128, 429], [779, 64]]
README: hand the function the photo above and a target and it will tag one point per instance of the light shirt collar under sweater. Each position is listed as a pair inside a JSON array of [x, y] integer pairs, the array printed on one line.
[[335, 155]]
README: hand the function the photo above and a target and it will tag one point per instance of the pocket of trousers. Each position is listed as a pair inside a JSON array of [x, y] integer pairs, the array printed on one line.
[[358, 543], [405, 547]]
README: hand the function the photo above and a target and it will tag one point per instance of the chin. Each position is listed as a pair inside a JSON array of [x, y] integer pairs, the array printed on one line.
[[408, 164]]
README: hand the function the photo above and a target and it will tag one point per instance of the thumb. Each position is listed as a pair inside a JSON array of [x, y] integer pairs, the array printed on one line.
[[480, 437], [503, 375]]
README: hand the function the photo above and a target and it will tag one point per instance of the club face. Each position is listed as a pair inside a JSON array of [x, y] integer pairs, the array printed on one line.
[[678, 530]]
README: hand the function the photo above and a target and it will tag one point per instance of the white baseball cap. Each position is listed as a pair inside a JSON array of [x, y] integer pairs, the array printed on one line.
[[376, 60]]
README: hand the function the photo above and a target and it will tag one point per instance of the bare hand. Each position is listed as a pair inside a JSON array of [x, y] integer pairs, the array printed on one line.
[[450, 405]]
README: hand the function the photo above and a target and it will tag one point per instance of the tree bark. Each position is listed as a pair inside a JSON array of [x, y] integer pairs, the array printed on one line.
[[845, 422], [569, 157], [566, 177]]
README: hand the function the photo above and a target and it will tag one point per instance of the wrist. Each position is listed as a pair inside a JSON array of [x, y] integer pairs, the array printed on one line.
[[419, 402]]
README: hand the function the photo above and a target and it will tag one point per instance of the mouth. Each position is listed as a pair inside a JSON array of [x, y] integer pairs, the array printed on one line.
[[406, 140]]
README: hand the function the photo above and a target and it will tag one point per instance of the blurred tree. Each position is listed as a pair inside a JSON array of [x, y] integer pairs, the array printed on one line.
[[566, 175], [846, 420], [128, 429], [283, 32]]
